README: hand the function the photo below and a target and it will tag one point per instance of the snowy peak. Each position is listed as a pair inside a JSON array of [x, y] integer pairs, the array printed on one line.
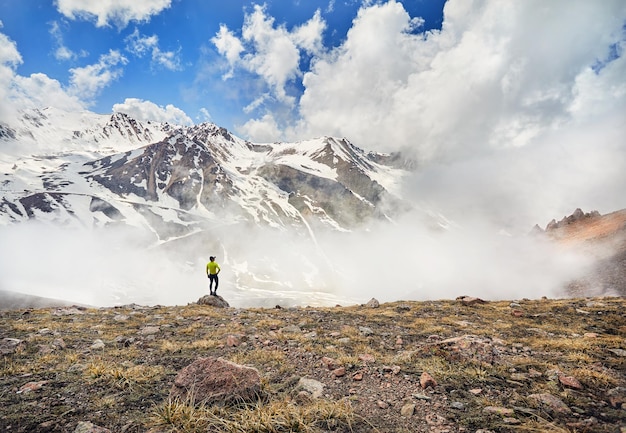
[[177, 179], [53, 130]]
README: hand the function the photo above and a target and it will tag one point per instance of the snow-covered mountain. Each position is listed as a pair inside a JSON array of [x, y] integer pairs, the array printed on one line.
[[117, 170], [182, 185]]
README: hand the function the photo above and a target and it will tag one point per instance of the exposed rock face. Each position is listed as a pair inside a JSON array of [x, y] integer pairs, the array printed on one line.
[[576, 216], [215, 381], [204, 173], [600, 237]]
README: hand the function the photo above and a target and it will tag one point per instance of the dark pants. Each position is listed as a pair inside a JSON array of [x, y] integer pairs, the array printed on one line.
[[213, 278]]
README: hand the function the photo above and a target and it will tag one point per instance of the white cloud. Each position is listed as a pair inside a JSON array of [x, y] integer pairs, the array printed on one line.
[[37, 90], [515, 113], [271, 52], [107, 12], [484, 81], [308, 36], [146, 110], [10, 59], [204, 115], [140, 45], [88, 81], [228, 45], [264, 130]]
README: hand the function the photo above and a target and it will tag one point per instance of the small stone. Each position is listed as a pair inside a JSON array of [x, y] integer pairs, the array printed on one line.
[[149, 330], [312, 386], [590, 335], [10, 345], [570, 382], [407, 410], [366, 357], [373, 303], [330, 363], [88, 427], [498, 410], [358, 376], [31, 386], [427, 380], [476, 391], [382, 404], [339, 372], [553, 403], [470, 300], [365, 330], [97, 344], [457, 405], [618, 352], [232, 341], [511, 421]]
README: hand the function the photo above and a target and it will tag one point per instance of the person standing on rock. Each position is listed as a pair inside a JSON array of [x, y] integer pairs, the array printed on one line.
[[212, 270]]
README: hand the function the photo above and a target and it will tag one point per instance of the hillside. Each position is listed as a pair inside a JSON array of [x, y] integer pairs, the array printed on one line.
[[602, 237], [465, 365]]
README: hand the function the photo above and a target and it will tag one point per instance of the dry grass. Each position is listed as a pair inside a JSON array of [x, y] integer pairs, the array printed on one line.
[[125, 385]]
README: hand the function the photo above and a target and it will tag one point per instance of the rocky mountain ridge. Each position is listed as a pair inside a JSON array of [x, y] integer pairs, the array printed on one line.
[[602, 237], [199, 173]]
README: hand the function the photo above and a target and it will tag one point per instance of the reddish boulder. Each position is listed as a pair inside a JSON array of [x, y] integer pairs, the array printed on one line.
[[216, 380]]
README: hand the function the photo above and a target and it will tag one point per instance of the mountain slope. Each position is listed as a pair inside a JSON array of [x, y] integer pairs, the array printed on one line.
[[197, 173], [133, 190], [602, 237]]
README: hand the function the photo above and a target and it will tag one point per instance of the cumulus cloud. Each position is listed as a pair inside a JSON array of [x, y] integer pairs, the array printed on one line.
[[146, 110], [271, 52], [140, 45], [484, 81], [19, 92], [501, 107], [87, 82], [107, 12]]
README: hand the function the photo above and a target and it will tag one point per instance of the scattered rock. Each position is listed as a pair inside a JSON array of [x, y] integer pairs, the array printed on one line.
[[312, 386], [216, 380], [504, 411], [426, 380], [367, 358], [570, 382], [339, 372], [552, 403], [97, 345], [364, 330], [88, 427], [31, 386], [470, 300], [618, 352], [149, 330], [232, 340], [213, 301], [330, 363], [407, 410], [373, 303], [382, 404], [10, 345]]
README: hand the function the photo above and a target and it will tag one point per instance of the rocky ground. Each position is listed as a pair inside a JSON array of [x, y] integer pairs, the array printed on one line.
[[461, 365]]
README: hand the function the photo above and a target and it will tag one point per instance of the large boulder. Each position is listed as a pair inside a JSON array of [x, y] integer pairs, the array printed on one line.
[[216, 381], [213, 301]]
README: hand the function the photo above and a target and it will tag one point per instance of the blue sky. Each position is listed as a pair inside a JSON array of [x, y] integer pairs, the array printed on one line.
[[167, 51], [522, 101]]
